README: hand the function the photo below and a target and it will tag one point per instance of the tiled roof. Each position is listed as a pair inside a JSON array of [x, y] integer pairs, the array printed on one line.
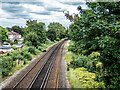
[[13, 33]]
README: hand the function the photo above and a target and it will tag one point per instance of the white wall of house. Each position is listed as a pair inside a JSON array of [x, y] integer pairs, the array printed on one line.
[[11, 37], [18, 36]]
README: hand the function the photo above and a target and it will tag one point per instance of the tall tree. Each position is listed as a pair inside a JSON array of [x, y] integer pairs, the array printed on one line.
[[56, 30], [35, 30], [17, 29], [98, 29], [3, 34]]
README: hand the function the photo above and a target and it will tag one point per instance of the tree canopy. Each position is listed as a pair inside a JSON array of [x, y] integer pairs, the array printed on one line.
[[56, 30], [17, 29], [35, 32], [98, 29], [3, 34]]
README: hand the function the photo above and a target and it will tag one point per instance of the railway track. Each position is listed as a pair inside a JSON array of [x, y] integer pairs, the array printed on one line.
[[37, 76], [53, 81]]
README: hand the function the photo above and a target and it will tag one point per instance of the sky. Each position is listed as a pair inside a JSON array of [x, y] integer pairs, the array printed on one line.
[[16, 12]]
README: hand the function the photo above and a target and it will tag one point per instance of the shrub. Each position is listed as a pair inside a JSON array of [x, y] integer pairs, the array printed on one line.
[[28, 43], [19, 57], [15, 41], [5, 72], [14, 56], [99, 67], [11, 43], [25, 61], [49, 42], [72, 48], [13, 47], [57, 39], [40, 48], [32, 50], [7, 64], [27, 56], [94, 55], [88, 62], [79, 60], [9, 54]]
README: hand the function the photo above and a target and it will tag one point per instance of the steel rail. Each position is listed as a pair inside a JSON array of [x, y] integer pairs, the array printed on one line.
[[45, 77], [45, 83], [58, 77], [33, 67], [57, 85], [33, 80]]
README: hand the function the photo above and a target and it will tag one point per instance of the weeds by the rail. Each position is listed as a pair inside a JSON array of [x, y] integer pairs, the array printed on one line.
[[18, 59], [79, 77]]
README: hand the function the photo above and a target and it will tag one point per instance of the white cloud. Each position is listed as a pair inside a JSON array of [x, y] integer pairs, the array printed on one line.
[[11, 22], [45, 11], [33, 8], [36, 16], [4, 14], [71, 0]]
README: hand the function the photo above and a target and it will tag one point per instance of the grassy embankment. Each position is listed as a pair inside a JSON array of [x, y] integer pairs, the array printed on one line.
[[18, 59], [79, 77]]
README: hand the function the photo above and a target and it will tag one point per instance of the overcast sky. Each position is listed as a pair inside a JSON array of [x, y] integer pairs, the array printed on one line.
[[16, 12]]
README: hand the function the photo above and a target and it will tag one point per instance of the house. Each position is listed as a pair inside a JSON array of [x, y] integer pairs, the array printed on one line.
[[13, 35]]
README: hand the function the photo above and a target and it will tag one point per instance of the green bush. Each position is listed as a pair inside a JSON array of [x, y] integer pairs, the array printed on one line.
[[40, 48], [98, 38], [25, 61], [11, 43], [7, 64], [5, 72], [32, 50], [19, 57], [13, 47], [94, 55], [14, 56], [27, 56], [28, 43], [49, 42], [9, 54], [57, 39], [15, 41], [88, 62]]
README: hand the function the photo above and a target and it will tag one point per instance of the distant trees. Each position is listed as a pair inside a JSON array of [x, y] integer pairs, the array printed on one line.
[[17, 29], [35, 32], [55, 31], [3, 34], [35, 41]]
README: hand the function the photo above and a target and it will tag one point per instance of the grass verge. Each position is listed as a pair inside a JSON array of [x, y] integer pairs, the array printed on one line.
[[80, 77]]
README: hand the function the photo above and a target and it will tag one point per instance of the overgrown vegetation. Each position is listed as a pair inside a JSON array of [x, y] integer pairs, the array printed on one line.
[[35, 32], [96, 40], [3, 34], [56, 31], [17, 29], [35, 42], [78, 76], [12, 60]]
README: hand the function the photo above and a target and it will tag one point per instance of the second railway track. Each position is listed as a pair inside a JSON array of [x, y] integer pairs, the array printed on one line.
[[38, 75]]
